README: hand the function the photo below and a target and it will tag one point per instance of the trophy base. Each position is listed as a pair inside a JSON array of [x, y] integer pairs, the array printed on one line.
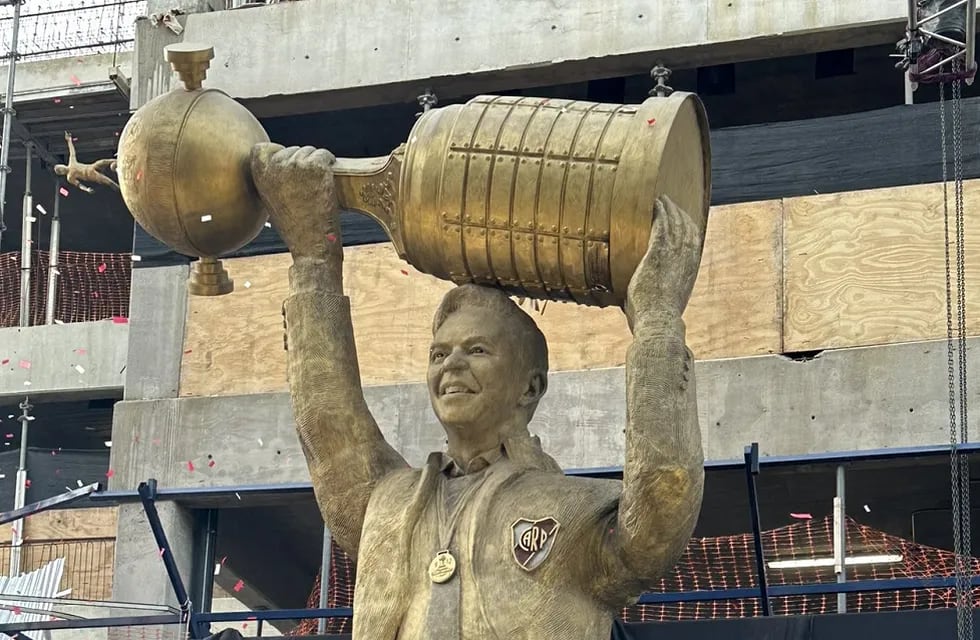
[[209, 278]]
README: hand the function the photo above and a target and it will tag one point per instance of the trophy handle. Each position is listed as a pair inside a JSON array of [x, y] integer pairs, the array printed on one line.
[[370, 186]]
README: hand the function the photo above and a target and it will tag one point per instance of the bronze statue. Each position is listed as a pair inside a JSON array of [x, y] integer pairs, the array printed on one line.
[[489, 539], [76, 171]]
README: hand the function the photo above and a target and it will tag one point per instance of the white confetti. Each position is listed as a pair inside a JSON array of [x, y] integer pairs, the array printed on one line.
[[135, 258], [260, 439], [2, 476], [247, 284], [238, 496], [27, 383], [80, 485], [31, 219], [867, 509], [206, 218], [11, 415], [217, 568], [108, 443], [79, 368], [268, 225], [59, 321], [41, 209]]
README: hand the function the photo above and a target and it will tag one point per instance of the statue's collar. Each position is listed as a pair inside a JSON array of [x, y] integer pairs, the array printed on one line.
[[524, 450]]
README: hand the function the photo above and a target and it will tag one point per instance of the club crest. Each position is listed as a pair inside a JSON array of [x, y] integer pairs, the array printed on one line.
[[533, 540]]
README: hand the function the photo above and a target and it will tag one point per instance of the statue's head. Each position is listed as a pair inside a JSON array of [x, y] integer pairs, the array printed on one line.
[[488, 363]]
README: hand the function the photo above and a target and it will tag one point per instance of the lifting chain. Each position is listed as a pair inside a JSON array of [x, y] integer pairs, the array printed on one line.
[[956, 356]]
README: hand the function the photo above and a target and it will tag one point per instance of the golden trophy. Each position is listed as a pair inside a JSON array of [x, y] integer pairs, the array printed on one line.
[[541, 197]]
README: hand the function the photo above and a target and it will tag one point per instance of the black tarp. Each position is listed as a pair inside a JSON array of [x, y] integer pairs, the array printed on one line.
[[50, 471], [873, 149]]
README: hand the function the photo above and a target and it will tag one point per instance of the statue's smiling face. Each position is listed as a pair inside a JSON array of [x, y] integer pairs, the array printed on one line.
[[475, 374]]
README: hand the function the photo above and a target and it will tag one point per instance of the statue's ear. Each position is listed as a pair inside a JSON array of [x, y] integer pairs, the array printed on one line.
[[536, 387]]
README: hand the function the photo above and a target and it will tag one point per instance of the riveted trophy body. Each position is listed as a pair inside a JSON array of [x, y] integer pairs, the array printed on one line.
[[541, 197], [544, 198]]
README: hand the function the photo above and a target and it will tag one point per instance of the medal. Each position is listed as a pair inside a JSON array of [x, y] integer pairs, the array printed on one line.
[[443, 567]]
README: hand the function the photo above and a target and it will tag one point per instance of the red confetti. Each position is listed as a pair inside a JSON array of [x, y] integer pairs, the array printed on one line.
[[801, 516], [63, 191], [139, 175], [110, 473], [210, 463], [5, 361], [25, 364], [80, 351], [16, 611], [223, 558], [57, 100], [652, 121], [239, 586], [190, 465], [188, 351], [10, 436], [95, 294], [75, 81], [120, 320], [102, 268], [404, 273], [27, 483], [54, 453], [162, 551], [332, 237]]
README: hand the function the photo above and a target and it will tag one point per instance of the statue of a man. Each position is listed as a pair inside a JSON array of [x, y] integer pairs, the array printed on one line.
[[489, 539]]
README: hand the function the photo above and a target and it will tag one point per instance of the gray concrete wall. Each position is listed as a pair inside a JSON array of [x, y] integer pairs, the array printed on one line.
[[321, 54], [850, 399], [52, 353]]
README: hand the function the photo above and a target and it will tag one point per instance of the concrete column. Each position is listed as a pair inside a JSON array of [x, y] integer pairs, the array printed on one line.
[[138, 571]]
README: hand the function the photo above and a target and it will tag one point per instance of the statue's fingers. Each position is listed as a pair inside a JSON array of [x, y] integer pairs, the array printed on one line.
[[322, 156], [303, 153], [262, 153]]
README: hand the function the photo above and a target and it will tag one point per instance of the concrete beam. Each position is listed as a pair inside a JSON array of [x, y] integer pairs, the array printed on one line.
[[849, 399], [319, 55], [67, 77], [70, 361]]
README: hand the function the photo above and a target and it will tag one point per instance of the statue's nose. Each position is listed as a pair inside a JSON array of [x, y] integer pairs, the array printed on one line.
[[455, 360]]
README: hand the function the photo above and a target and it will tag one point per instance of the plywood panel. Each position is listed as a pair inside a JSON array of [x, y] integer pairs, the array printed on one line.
[[67, 524], [867, 267], [233, 343]]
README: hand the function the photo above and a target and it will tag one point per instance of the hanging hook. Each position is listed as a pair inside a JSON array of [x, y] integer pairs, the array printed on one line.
[[661, 75], [426, 100]]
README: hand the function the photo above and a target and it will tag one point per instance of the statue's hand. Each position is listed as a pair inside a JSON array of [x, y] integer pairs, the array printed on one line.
[[297, 187], [661, 286]]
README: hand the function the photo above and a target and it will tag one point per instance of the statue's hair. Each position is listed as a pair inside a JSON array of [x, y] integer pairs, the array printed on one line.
[[534, 347]]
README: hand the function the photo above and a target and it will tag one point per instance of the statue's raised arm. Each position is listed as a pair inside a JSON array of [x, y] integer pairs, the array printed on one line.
[[663, 476], [345, 450]]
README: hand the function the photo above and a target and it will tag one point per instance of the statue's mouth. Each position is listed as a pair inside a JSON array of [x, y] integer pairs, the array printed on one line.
[[454, 389]]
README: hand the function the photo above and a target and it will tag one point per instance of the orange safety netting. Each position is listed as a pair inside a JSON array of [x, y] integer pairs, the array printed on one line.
[[728, 562], [91, 286]]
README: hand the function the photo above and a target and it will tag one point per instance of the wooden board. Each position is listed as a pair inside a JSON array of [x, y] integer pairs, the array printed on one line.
[[867, 267], [233, 343], [67, 524]]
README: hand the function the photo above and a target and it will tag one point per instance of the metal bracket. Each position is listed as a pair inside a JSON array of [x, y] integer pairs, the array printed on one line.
[[751, 471], [924, 52]]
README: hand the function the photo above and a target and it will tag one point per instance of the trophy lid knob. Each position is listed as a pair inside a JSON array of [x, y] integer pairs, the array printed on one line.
[[191, 61]]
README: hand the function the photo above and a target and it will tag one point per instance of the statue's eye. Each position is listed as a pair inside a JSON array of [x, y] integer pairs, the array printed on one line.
[[436, 356], [477, 350]]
